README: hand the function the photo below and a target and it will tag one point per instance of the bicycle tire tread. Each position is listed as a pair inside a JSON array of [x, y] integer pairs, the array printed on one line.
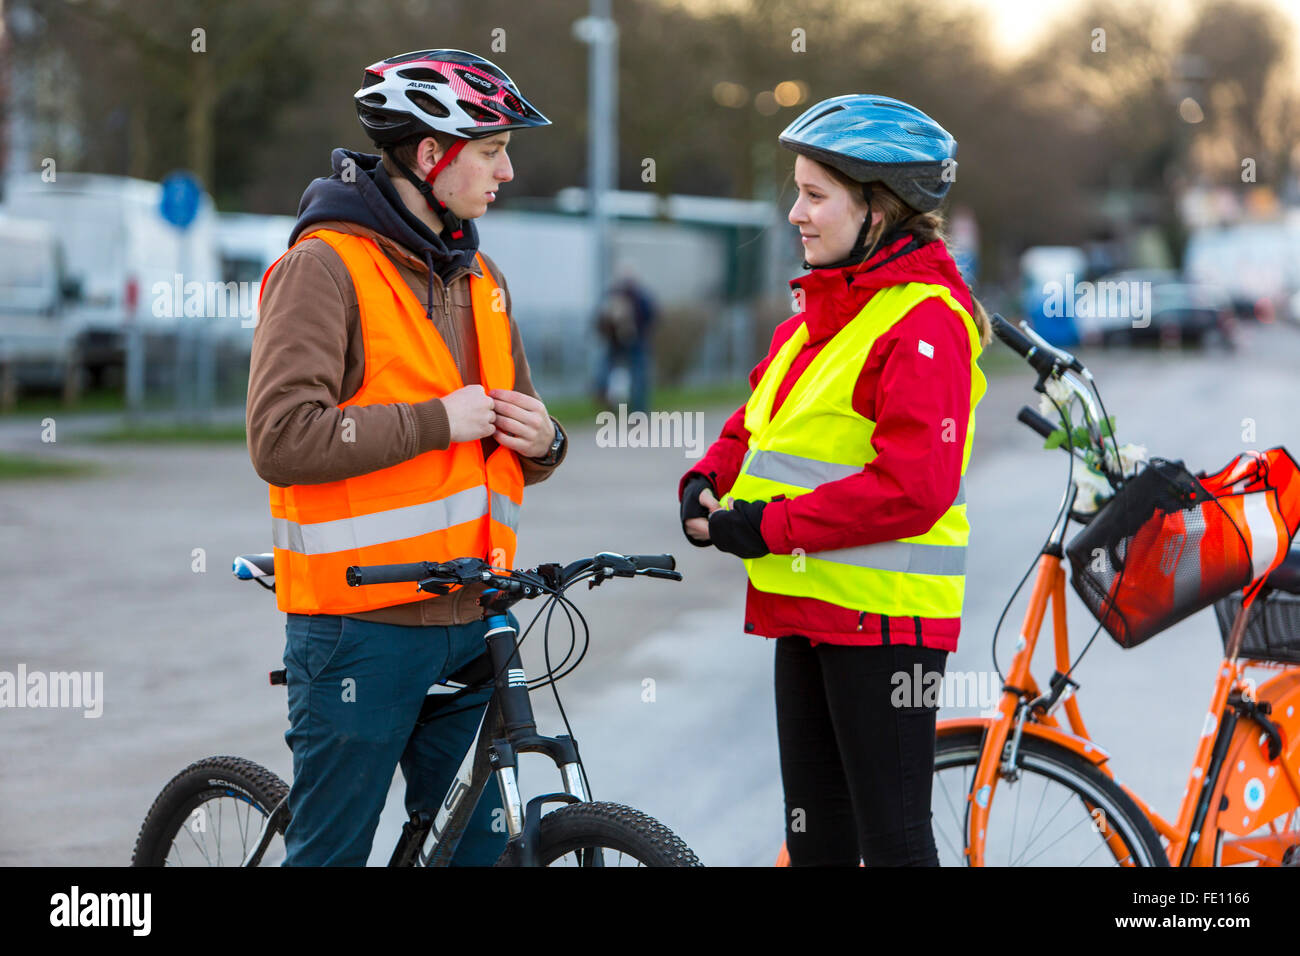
[[266, 787]]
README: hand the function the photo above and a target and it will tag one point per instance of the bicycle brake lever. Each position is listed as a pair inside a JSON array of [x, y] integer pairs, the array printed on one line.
[[661, 573], [433, 586]]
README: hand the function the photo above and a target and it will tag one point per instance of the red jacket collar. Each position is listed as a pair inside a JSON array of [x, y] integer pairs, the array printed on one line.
[[832, 297]]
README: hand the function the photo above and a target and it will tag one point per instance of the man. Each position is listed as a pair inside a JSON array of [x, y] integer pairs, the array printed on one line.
[[624, 324], [391, 409]]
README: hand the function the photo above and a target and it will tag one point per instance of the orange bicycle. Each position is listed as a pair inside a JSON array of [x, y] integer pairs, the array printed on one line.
[[1020, 789]]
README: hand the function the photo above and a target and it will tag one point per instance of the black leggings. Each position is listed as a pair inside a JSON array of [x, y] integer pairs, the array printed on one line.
[[857, 769]]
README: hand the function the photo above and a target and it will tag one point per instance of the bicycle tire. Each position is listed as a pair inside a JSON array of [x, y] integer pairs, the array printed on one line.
[[1070, 772], [608, 826], [235, 778]]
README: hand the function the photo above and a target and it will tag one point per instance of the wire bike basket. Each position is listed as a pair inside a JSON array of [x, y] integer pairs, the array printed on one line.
[[1170, 543]]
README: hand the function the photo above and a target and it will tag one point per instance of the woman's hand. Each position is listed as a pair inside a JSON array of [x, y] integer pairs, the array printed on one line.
[[698, 528], [738, 530], [522, 424]]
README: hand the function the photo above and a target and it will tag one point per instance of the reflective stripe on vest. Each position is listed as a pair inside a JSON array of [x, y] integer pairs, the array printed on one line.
[[809, 472], [369, 530], [436, 506], [816, 437]]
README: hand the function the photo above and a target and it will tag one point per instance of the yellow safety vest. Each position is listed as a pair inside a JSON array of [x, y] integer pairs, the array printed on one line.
[[817, 437]]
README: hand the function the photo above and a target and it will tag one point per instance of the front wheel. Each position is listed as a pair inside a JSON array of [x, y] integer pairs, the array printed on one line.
[[213, 813], [605, 834], [1060, 811]]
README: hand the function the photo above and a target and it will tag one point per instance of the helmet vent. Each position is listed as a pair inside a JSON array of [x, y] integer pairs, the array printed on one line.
[[371, 79], [376, 100], [478, 113], [427, 103], [425, 73], [822, 115]]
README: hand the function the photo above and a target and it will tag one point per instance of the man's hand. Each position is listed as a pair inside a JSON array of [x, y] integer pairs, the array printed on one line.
[[522, 424], [470, 413]]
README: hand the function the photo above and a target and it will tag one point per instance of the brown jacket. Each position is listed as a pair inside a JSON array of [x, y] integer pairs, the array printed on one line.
[[308, 358]]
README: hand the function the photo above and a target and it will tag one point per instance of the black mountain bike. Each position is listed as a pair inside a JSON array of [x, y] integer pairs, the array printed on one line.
[[228, 811]]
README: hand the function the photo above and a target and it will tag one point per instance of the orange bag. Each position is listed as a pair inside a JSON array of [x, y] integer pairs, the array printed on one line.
[[1171, 543]]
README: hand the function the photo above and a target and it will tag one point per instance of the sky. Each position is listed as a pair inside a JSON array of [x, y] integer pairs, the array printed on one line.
[[1017, 23]]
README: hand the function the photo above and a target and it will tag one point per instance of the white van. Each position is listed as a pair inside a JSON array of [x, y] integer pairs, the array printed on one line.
[[128, 264], [247, 244], [34, 339]]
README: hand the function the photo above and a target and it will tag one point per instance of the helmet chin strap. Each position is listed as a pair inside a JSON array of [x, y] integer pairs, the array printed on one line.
[[450, 221]]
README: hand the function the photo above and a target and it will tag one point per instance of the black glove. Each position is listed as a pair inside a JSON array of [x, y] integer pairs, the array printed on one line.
[[737, 531], [691, 507]]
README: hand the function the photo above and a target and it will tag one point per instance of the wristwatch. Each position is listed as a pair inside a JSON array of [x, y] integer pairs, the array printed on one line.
[[557, 445]]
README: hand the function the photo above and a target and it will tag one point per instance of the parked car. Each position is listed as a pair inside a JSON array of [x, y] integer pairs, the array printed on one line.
[[1136, 305]]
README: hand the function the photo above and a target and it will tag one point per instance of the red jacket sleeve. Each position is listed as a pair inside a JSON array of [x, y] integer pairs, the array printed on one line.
[[920, 404], [721, 463]]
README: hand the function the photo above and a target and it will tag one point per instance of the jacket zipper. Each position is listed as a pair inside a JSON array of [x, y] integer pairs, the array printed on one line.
[[861, 617], [444, 297]]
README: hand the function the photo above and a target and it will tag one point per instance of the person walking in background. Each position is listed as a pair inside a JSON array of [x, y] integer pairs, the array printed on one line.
[[625, 323], [391, 409], [843, 480]]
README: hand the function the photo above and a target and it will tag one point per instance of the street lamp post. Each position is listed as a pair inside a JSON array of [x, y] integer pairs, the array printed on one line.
[[599, 31]]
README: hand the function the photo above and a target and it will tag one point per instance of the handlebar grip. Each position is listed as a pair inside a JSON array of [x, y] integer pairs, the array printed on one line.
[[664, 562], [1035, 421], [1011, 336], [387, 573]]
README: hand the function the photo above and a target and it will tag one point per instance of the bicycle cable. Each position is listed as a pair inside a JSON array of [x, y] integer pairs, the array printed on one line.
[[1062, 511], [565, 604]]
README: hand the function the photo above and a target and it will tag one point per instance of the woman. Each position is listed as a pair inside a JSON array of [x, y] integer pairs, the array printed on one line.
[[843, 482]]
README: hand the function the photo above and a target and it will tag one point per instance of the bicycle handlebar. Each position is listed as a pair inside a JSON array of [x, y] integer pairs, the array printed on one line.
[[1032, 348], [388, 573], [472, 570], [1035, 421], [661, 562]]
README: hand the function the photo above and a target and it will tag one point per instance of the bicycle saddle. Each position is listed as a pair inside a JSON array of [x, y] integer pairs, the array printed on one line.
[[1286, 576]]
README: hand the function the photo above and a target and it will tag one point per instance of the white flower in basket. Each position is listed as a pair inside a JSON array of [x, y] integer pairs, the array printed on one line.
[[1094, 489]]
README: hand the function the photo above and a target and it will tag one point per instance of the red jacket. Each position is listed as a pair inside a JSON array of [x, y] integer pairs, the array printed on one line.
[[913, 478]]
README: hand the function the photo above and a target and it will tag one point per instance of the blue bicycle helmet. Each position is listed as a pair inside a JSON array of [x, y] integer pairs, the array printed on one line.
[[873, 138]]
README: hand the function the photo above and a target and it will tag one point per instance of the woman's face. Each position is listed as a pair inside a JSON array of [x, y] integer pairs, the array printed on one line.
[[827, 215]]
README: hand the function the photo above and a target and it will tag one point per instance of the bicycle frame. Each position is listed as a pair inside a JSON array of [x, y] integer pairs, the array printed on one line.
[[430, 839], [510, 730], [1223, 732]]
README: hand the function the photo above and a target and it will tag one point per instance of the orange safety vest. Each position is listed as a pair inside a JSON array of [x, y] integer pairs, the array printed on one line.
[[436, 506]]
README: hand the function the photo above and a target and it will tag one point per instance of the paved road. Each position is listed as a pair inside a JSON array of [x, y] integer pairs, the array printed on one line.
[[103, 575]]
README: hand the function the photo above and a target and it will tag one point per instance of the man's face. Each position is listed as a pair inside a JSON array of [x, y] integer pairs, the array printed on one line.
[[471, 180]]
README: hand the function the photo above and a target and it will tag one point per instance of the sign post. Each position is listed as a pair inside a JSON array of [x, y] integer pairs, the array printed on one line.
[[182, 195]]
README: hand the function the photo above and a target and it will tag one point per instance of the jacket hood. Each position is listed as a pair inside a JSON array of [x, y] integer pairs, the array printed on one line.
[[367, 197], [833, 296]]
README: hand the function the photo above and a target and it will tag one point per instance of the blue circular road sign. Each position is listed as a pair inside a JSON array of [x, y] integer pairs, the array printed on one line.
[[181, 193]]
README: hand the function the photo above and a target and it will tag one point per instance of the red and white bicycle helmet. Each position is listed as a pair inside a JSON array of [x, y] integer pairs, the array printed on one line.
[[447, 91]]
